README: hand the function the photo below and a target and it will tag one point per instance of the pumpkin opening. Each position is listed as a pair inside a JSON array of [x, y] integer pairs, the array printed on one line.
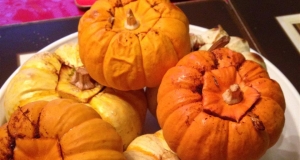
[[225, 95], [131, 23]]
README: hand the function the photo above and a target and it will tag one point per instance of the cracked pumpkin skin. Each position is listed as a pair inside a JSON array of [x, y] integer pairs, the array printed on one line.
[[197, 116], [130, 44]]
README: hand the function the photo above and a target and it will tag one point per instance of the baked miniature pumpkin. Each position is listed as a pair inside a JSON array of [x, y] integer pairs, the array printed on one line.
[[206, 40], [130, 44], [150, 147], [48, 76], [59, 129], [217, 105]]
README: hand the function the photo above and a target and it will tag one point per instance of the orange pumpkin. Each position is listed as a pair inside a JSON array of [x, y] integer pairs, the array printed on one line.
[[129, 44], [59, 129], [217, 105]]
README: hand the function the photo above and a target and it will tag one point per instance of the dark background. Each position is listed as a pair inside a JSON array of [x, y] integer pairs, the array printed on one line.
[[259, 18]]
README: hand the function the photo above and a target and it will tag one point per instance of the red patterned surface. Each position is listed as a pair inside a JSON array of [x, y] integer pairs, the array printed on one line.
[[19, 11]]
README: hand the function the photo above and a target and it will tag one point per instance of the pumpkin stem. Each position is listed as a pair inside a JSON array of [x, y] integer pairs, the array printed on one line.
[[131, 23], [82, 79], [233, 95], [223, 41]]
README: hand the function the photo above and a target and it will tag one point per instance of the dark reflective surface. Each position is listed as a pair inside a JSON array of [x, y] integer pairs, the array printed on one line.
[[260, 20]]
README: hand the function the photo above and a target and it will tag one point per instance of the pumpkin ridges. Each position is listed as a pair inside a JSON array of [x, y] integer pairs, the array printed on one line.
[[71, 142], [108, 141], [190, 79], [273, 121], [6, 143], [30, 73], [67, 114], [45, 62], [28, 149], [136, 151], [174, 100], [123, 62], [242, 135], [135, 98], [235, 135], [167, 10], [68, 55], [89, 56], [98, 155], [250, 71], [181, 50], [128, 118], [177, 123], [27, 89], [160, 56], [178, 22], [154, 18], [92, 15], [146, 8], [150, 147], [274, 92], [226, 57], [25, 120], [200, 60], [241, 130], [205, 130]]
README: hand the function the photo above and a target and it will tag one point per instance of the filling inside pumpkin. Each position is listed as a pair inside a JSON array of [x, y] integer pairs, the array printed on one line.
[[225, 95]]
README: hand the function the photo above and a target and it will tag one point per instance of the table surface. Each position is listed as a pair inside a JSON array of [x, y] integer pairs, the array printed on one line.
[[32, 36], [20, 11]]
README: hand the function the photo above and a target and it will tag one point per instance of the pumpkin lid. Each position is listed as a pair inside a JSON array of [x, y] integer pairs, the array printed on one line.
[[225, 95]]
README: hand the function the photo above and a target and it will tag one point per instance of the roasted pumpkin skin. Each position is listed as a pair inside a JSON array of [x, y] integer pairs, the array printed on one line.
[[214, 37], [48, 76], [197, 121], [59, 129], [128, 59]]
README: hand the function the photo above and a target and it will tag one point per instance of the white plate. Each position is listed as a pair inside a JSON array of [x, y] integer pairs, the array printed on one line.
[[287, 147]]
